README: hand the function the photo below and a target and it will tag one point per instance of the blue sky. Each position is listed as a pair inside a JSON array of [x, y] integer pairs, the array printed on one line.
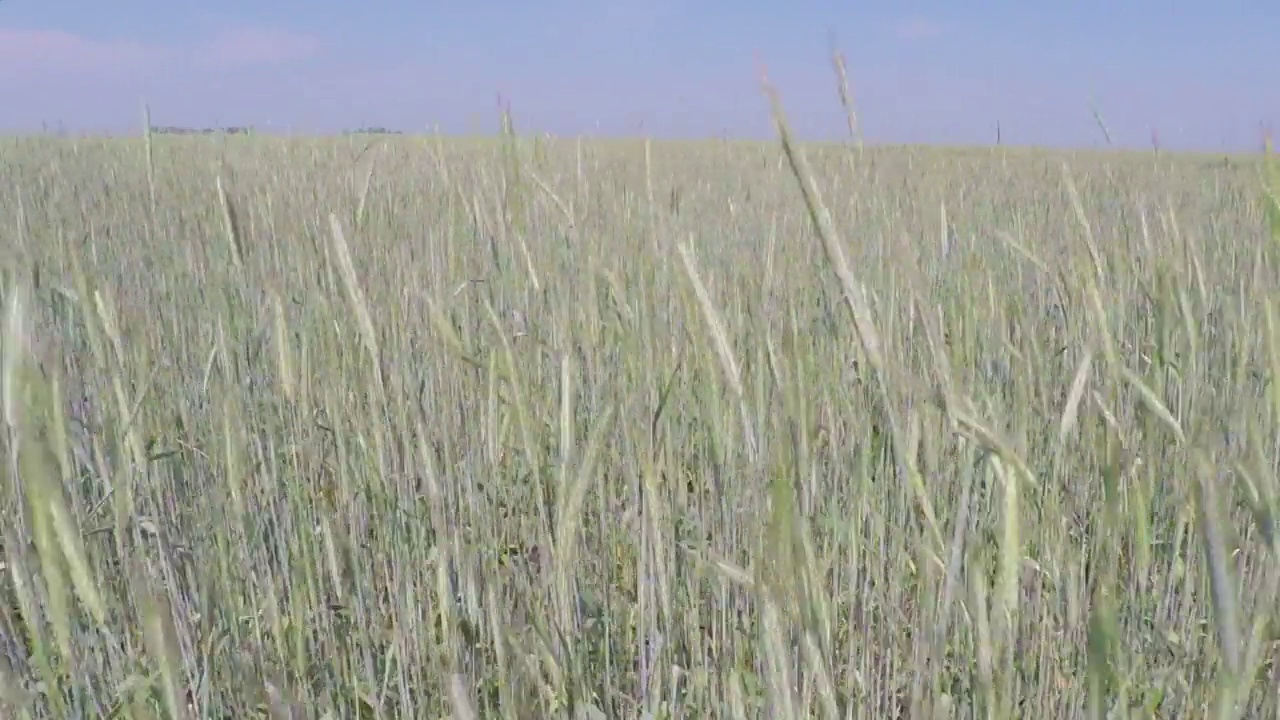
[[1204, 75]]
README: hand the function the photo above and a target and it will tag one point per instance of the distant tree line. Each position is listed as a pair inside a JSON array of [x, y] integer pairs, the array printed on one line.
[[235, 130], [173, 130]]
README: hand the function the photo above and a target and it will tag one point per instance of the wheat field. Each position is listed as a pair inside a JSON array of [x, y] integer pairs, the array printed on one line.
[[415, 427]]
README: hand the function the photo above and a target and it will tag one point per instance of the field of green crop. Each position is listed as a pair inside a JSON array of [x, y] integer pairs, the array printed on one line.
[[397, 427]]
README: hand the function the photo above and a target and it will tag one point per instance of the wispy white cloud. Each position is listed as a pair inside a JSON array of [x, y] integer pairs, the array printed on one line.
[[29, 54], [26, 52], [918, 29], [251, 46]]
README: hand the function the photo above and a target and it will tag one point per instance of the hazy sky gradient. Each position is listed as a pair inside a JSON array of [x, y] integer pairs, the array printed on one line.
[[1207, 76]]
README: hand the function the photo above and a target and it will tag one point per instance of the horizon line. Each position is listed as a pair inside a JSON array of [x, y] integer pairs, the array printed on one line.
[[247, 132]]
